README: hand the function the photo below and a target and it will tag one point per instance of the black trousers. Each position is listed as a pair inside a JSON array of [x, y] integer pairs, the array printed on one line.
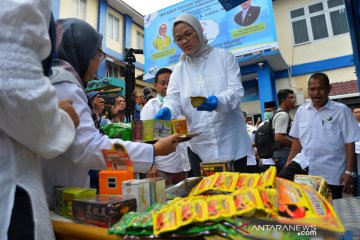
[[22, 223], [239, 165]]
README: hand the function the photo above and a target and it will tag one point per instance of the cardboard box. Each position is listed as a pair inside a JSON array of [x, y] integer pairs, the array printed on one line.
[[179, 126], [316, 182], [157, 190], [101, 210], [63, 197], [138, 189], [110, 181]]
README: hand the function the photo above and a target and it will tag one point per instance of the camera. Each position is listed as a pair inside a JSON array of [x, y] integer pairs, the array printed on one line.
[[109, 100]]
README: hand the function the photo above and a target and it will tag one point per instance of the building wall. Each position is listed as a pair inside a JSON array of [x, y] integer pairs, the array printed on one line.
[[136, 28], [111, 43], [67, 10], [309, 52]]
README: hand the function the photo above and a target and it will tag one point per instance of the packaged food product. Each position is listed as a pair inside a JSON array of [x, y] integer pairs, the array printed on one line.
[[165, 220], [301, 204], [225, 182], [246, 202], [247, 180], [205, 185], [196, 101], [138, 189], [101, 210], [63, 197], [267, 179], [318, 183]]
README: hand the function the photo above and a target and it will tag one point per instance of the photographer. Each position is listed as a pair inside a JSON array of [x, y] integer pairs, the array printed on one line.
[[118, 110], [97, 105]]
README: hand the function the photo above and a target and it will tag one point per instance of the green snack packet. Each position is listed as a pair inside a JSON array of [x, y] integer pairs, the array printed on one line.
[[120, 227]]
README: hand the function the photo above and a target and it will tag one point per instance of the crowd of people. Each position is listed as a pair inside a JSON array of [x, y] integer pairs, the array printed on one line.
[[55, 139]]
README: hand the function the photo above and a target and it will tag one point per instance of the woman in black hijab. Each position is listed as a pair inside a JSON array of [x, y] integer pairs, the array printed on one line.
[[80, 45], [79, 56]]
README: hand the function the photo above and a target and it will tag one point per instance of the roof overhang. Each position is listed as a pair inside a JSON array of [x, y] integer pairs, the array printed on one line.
[[123, 8]]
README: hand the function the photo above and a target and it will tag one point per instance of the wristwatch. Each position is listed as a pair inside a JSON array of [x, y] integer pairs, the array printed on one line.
[[351, 174]]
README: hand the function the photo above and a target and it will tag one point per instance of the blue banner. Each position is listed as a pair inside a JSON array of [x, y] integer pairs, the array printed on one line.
[[239, 30]]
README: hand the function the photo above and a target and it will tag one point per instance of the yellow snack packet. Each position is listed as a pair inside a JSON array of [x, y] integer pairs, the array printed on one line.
[[186, 212], [200, 209], [213, 207], [246, 202], [205, 185], [247, 180], [301, 204], [225, 182], [165, 220], [269, 200], [267, 179], [196, 101]]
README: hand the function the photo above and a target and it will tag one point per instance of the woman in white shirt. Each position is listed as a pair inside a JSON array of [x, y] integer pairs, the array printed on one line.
[[215, 74]]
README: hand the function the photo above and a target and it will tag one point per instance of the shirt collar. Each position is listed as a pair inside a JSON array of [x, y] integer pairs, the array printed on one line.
[[329, 105]]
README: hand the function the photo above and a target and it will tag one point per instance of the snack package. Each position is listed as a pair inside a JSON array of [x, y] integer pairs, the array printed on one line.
[[213, 207], [301, 204], [247, 180], [101, 210], [186, 212], [165, 220], [63, 197], [138, 189], [179, 126], [120, 227], [269, 200], [318, 183], [196, 101], [205, 185], [118, 130], [117, 158], [200, 209], [267, 179], [246, 202], [225, 182]]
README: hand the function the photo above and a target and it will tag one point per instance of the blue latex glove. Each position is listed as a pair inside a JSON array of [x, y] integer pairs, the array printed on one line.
[[163, 114], [209, 105]]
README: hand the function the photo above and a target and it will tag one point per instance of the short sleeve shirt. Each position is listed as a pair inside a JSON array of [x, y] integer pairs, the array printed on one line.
[[323, 134]]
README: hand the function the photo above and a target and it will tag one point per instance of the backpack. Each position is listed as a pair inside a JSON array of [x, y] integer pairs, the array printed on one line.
[[265, 139]]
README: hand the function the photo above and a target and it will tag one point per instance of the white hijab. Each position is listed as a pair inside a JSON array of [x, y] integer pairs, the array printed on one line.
[[204, 48]]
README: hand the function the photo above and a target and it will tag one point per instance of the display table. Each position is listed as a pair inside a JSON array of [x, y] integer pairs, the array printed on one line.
[[348, 210], [65, 229]]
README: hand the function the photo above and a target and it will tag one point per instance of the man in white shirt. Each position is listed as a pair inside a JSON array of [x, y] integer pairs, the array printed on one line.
[[356, 113], [252, 166], [324, 133], [173, 167]]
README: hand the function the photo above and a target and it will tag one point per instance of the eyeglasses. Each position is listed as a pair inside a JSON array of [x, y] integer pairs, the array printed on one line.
[[187, 36], [101, 54]]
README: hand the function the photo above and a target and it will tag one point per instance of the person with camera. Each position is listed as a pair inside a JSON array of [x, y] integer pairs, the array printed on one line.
[[118, 110], [79, 56]]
